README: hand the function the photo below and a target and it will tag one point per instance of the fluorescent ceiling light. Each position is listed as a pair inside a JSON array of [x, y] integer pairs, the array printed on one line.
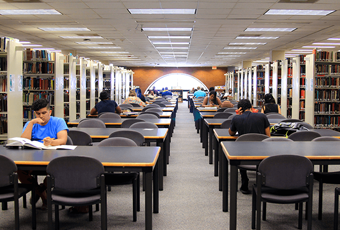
[[270, 29], [174, 48], [103, 47], [124, 59], [170, 43], [254, 37], [115, 52], [81, 37], [298, 12], [62, 29], [303, 50], [27, 12], [31, 45], [331, 44], [298, 52], [174, 53], [325, 47], [42, 48], [246, 43], [169, 37], [94, 43], [261, 61], [167, 29], [231, 56], [334, 39], [240, 48], [162, 11], [24, 42], [232, 53]]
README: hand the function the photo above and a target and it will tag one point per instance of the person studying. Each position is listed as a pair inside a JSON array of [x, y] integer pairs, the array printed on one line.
[[105, 105]]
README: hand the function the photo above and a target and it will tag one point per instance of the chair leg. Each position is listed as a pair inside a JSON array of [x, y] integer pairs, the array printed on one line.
[[300, 215], [109, 188], [90, 213], [97, 207], [320, 199], [264, 212], [336, 209], [16, 211], [253, 209], [4, 206], [296, 206], [56, 218], [24, 201]]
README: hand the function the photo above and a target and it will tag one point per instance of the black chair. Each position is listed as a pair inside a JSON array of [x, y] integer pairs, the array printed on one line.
[[150, 106], [221, 110], [155, 110], [125, 106], [108, 115], [283, 179], [325, 177], [303, 135], [79, 137], [276, 139], [161, 104], [10, 190], [222, 115], [148, 116], [112, 179], [131, 134], [336, 208], [145, 125], [91, 123], [75, 181], [69, 141], [230, 110], [231, 116], [226, 124], [135, 105], [291, 120], [127, 123], [275, 116]]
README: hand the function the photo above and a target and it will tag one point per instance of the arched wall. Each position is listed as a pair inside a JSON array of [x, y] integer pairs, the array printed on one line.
[[143, 77]]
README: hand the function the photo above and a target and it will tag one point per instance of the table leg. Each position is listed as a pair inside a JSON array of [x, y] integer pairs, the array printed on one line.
[[210, 145], [206, 139], [161, 169], [220, 157], [156, 176], [233, 197], [216, 157], [224, 183], [167, 140], [148, 200]]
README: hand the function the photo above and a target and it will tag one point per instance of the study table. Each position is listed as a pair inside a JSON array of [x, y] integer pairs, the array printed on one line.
[[251, 153], [114, 159], [114, 122], [151, 135]]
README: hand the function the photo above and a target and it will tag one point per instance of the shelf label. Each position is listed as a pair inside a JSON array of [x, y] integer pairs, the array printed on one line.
[[20, 83], [11, 83]]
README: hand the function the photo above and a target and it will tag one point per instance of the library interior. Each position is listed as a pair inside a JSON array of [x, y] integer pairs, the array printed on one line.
[[69, 51]]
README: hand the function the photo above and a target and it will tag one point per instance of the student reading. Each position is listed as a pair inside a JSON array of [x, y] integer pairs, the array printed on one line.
[[47, 129], [105, 105]]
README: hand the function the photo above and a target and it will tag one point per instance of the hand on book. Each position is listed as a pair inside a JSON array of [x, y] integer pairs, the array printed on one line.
[[48, 141]]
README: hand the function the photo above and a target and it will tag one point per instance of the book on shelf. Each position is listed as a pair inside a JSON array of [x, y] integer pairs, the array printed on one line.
[[3, 44], [3, 63], [24, 142], [38, 55]]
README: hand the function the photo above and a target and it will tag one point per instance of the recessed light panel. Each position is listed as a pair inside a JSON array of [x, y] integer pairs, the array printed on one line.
[[115, 52], [270, 29], [94, 43], [174, 53], [169, 37], [103, 47], [28, 12], [31, 45], [81, 37], [162, 11], [168, 29], [245, 37], [170, 43], [63, 29], [299, 12], [240, 48], [246, 43], [175, 48], [325, 47], [331, 44], [334, 39], [231, 52]]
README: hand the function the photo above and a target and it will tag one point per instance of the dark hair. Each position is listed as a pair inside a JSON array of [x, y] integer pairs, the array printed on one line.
[[245, 104], [40, 103], [215, 96], [211, 89], [104, 95], [268, 98]]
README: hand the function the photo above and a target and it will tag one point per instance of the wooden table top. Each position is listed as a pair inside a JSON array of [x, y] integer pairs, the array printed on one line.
[[114, 121]]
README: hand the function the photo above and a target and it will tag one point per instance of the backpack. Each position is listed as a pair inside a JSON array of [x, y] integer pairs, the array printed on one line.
[[286, 128]]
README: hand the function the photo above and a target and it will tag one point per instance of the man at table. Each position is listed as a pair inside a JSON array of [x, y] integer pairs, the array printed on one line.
[[47, 129], [199, 93], [248, 122], [105, 105]]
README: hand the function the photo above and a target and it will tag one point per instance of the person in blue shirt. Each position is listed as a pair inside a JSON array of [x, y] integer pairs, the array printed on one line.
[[105, 105], [166, 92], [199, 93], [139, 94], [47, 129]]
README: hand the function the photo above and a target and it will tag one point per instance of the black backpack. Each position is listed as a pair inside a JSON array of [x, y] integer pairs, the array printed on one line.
[[286, 128]]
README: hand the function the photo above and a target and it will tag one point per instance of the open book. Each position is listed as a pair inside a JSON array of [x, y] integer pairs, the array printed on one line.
[[24, 142]]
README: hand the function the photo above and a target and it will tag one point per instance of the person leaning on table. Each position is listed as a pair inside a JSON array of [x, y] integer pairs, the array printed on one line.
[[270, 105], [48, 130], [248, 122], [212, 100], [105, 105], [134, 99]]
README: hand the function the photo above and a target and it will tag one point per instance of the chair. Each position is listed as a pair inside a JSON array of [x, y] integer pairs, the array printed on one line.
[[10, 190], [75, 181], [230, 110], [125, 106], [156, 110], [135, 105], [303, 135], [276, 139], [274, 116], [69, 141], [325, 177], [159, 103], [306, 125], [127, 123], [112, 179], [226, 124], [108, 115], [150, 106], [147, 116], [221, 110], [231, 116], [336, 208], [147, 125], [283, 179], [131, 134], [222, 115], [79, 137], [291, 120], [91, 123]]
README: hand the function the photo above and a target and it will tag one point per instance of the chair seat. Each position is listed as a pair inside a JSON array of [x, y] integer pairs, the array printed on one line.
[[283, 196], [328, 177], [75, 201], [7, 194]]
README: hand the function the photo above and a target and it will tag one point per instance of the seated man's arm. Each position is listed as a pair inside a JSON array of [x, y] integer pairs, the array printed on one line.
[[93, 111], [27, 133], [231, 133], [118, 110], [232, 129], [267, 131], [61, 139]]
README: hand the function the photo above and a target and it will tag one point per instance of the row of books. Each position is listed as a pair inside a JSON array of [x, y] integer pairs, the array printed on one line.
[[78, 106], [38, 68], [38, 55], [3, 44], [29, 98], [327, 82], [35, 83], [327, 108], [3, 63], [327, 56], [3, 102], [326, 121], [28, 113], [3, 124], [3, 84]]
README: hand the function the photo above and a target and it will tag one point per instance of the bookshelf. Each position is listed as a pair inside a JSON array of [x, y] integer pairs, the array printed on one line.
[[260, 79], [99, 74], [91, 86], [81, 88], [284, 102], [303, 83], [268, 78]]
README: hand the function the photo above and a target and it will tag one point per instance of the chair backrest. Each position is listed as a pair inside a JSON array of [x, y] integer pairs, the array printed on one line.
[[231, 117], [226, 124], [135, 105], [303, 135], [222, 115], [160, 99], [291, 120], [161, 104], [274, 116], [69, 141], [92, 123], [276, 139], [150, 106], [326, 138], [146, 115], [125, 106], [7, 168], [221, 110], [285, 171], [79, 137], [131, 134], [156, 110], [145, 125], [127, 123], [230, 110], [117, 141], [305, 124], [108, 115], [252, 137], [75, 173]]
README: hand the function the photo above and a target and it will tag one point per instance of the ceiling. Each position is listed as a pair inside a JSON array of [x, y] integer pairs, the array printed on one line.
[[215, 24]]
